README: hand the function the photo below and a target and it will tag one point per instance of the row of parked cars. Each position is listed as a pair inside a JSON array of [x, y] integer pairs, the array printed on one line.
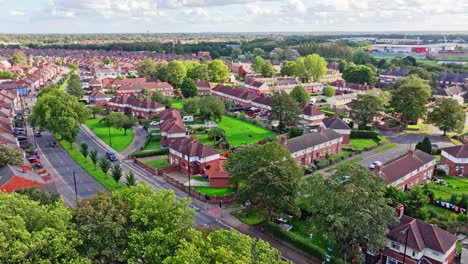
[[19, 130]]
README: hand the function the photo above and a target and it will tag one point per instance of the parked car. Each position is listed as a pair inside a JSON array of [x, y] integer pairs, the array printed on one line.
[[110, 155], [21, 138], [375, 164], [38, 134]]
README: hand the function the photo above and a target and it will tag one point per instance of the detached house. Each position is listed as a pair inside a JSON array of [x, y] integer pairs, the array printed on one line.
[[311, 115], [314, 146], [416, 167], [416, 242], [456, 158]]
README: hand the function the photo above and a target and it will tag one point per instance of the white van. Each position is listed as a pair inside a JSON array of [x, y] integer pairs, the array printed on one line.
[[187, 119]]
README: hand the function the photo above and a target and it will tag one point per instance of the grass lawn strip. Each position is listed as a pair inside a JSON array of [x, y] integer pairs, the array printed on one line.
[[239, 132], [177, 103], [458, 185], [107, 181], [154, 143], [160, 163], [199, 178], [101, 130], [385, 148], [363, 143], [249, 217], [213, 191]]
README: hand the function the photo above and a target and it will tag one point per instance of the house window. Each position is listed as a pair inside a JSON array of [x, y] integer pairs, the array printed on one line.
[[391, 260], [414, 253], [395, 245]]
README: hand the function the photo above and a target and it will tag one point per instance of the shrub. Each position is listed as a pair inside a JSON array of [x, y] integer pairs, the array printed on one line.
[[364, 134], [149, 153]]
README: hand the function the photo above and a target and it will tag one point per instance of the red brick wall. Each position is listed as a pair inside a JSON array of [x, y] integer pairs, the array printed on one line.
[[219, 183], [452, 165]]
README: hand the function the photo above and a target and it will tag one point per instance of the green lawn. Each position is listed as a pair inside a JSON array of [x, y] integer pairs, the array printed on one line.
[[199, 178], [177, 103], [213, 191], [439, 211], [457, 185], [340, 156], [249, 217], [107, 181], [313, 176], [239, 132], [362, 143], [437, 158], [119, 141], [154, 143], [385, 148], [158, 163], [417, 127], [344, 164], [303, 229]]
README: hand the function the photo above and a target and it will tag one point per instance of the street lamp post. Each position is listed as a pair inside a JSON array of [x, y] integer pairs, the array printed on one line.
[[188, 170], [76, 189], [406, 243], [108, 125]]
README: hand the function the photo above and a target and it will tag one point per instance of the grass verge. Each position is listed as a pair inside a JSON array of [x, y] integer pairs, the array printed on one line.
[[362, 143], [385, 148], [239, 132], [119, 141], [158, 163], [213, 191], [249, 217]]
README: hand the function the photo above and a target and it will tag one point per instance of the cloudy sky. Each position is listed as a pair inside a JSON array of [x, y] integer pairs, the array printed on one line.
[[82, 16]]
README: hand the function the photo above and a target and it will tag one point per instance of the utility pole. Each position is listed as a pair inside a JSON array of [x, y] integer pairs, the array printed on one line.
[[188, 169], [406, 243], [76, 190]]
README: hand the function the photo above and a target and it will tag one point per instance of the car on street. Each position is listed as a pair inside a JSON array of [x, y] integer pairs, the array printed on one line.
[[375, 164], [110, 155]]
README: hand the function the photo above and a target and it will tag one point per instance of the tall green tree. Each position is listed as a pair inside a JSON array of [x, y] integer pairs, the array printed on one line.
[[146, 68], [300, 95], [315, 66], [285, 110], [411, 98], [447, 115], [218, 71], [18, 58], [365, 107], [157, 96], [104, 165], [425, 145], [191, 105], [84, 149], [75, 86], [329, 91], [130, 179], [188, 88], [287, 69], [59, 113], [122, 121], [211, 108], [336, 204], [257, 64], [258, 52], [359, 74], [161, 71], [39, 195], [96, 109], [414, 203], [116, 172], [36, 233], [10, 156], [200, 72], [93, 155], [267, 70], [176, 72]]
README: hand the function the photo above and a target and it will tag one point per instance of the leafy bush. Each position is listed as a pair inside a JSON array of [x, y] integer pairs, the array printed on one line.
[[365, 134], [149, 153]]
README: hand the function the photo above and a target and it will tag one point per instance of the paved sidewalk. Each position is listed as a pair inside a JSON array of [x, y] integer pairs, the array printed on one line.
[[139, 139]]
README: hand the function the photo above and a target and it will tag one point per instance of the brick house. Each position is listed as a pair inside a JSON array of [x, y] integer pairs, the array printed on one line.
[[262, 102], [196, 158], [97, 97], [204, 87], [13, 178], [257, 88], [95, 84], [235, 95], [420, 242], [171, 127], [455, 92], [314, 146], [144, 108], [136, 88], [311, 115], [456, 158], [411, 170], [338, 125]]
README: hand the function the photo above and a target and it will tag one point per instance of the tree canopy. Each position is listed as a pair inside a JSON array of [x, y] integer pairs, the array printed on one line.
[[218, 71], [411, 97], [447, 115], [10, 156], [310, 67], [285, 110], [365, 107], [157, 96], [176, 72], [122, 121], [75, 86], [188, 88], [300, 95], [18, 58], [287, 69], [211, 108], [267, 70], [359, 74]]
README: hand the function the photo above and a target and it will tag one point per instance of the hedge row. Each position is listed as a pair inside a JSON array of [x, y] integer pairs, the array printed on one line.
[[297, 241], [365, 134], [149, 153]]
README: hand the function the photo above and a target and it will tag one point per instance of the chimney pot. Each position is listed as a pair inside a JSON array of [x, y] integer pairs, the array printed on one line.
[[284, 140], [400, 210]]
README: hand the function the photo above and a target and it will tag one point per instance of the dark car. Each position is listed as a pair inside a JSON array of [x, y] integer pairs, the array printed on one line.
[[38, 134], [111, 156], [21, 138]]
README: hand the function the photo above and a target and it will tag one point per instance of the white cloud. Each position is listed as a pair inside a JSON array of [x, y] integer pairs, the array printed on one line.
[[16, 13]]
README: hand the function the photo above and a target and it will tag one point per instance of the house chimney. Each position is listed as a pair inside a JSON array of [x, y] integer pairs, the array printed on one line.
[[400, 210], [25, 168], [411, 152], [319, 129], [284, 140]]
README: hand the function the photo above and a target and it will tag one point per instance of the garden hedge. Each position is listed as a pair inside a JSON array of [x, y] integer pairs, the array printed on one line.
[[149, 153], [364, 134]]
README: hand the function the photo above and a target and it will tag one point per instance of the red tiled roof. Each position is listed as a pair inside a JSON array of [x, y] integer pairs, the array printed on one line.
[[404, 165], [311, 110], [193, 148], [457, 151]]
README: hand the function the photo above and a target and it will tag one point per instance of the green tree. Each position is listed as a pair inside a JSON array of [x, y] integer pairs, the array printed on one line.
[[157, 96], [10, 156], [200, 72], [359, 74], [365, 107], [315, 66], [116, 172], [361, 57], [300, 70], [218, 71], [96, 109], [235, 53], [223, 247], [122, 121], [35, 233], [216, 134], [93, 155], [75, 86], [285, 110], [130, 179], [336, 203], [267, 70], [73, 67], [146, 68], [107, 61], [447, 115], [300, 95], [105, 165], [288, 68], [258, 52], [414, 203], [18, 58], [425, 145], [145, 92], [211, 108], [425, 75], [257, 64], [84, 149], [161, 72], [59, 113], [41, 196], [176, 72], [188, 88], [191, 106], [411, 97], [329, 91]]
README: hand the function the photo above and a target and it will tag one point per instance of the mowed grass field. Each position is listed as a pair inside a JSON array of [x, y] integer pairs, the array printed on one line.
[[119, 141], [362, 143], [456, 185], [239, 132], [177, 103]]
